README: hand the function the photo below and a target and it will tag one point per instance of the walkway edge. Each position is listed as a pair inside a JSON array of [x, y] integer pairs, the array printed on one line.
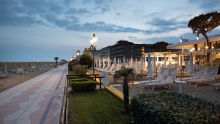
[[115, 92]]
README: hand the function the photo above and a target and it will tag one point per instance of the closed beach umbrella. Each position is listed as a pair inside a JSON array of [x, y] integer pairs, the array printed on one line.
[[154, 63], [131, 62], [114, 63], [108, 62], [165, 61], [180, 62], [191, 63], [118, 65], [6, 68], [99, 63], [124, 61], [149, 66], [141, 63]]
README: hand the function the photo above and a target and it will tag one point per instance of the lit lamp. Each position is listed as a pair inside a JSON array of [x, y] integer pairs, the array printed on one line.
[[94, 39], [77, 55]]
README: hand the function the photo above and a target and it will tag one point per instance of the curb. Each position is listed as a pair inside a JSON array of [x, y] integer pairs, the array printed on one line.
[[115, 92]]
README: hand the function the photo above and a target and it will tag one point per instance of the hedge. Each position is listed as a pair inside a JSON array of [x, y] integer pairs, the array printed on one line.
[[173, 108], [83, 86], [80, 79]]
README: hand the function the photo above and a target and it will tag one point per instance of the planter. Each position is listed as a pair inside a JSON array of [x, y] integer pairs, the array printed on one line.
[[56, 66]]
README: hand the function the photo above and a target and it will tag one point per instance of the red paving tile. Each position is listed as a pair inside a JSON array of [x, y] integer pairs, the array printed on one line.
[[46, 107], [50, 121]]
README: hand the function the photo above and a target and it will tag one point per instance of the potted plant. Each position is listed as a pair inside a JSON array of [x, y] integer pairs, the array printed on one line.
[[56, 58]]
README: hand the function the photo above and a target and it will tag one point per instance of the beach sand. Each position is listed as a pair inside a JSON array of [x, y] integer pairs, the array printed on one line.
[[203, 91], [7, 83]]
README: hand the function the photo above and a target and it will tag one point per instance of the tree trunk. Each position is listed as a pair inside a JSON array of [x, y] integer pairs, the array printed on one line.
[[126, 95], [209, 47]]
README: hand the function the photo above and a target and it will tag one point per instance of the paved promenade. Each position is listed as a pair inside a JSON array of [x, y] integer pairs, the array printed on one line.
[[36, 101]]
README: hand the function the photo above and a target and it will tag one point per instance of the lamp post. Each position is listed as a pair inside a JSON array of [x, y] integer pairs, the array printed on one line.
[[78, 56], [94, 39]]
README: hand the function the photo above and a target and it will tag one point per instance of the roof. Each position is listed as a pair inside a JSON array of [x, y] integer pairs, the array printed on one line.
[[190, 44]]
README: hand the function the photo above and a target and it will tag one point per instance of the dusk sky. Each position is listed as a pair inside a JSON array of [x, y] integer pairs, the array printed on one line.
[[39, 30]]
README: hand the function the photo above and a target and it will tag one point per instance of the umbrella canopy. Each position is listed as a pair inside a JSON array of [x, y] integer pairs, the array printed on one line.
[[149, 66], [191, 63]]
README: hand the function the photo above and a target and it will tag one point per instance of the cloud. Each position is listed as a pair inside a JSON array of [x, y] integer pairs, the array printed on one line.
[[208, 5], [117, 14], [161, 22], [74, 11], [103, 10]]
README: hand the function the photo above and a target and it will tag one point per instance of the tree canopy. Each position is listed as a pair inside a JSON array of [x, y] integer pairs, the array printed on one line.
[[204, 24], [162, 46], [86, 59], [56, 58]]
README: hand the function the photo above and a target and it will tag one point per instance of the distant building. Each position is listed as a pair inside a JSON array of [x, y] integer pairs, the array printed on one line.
[[105, 52], [78, 54], [122, 48], [89, 50], [129, 49]]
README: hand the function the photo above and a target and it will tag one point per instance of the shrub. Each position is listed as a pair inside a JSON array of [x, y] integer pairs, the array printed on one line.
[[83, 86], [80, 79], [79, 69], [209, 64], [173, 108]]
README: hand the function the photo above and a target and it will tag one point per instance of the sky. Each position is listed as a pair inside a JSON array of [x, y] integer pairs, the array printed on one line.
[[39, 30]]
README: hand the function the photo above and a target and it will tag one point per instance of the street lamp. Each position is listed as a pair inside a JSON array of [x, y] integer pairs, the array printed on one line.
[[77, 56], [94, 39]]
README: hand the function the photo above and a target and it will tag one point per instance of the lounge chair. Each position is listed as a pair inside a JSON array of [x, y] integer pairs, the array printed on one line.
[[161, 76], [216, 85], [168, 81], [3, 76], [197, 75], [208, 77]]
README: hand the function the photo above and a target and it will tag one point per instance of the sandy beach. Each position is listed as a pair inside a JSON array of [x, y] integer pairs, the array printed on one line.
[[17, 79]]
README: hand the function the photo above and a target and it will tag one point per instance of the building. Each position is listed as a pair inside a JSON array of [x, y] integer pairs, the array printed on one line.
[[122, 49], [128, 49], [77, 54], [90, 50], [105, 52], [200, 49]]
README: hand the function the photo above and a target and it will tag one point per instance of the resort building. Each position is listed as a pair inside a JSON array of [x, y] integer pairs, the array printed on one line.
[[199, 49], [128, 49]]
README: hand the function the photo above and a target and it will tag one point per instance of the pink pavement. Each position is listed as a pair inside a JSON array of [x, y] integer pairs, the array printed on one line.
[[36, 101]]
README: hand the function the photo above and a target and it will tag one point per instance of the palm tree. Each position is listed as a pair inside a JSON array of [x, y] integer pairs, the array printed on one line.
[[56, 58], [126, 73]]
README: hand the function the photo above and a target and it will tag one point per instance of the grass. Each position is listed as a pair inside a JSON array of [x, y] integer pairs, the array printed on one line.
[[96, 107]]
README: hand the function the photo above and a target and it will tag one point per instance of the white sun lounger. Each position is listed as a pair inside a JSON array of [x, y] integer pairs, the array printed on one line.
[[208, 77], [168, 81]]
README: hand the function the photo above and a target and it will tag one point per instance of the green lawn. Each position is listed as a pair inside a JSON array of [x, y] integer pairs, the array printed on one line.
[[96, 107]]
